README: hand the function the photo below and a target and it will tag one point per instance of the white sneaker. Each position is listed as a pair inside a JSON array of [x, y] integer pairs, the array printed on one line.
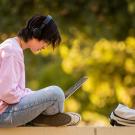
[[75, 119], [60, 119]]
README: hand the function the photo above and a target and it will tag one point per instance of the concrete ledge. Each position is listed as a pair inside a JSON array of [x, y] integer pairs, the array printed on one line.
[[68, 131], [47, 131], [115, 131]]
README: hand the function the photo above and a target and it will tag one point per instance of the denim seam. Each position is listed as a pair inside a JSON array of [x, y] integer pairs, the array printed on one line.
[[35, 105]]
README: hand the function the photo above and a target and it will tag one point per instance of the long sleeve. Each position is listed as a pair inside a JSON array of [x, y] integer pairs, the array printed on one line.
[[10, 71]]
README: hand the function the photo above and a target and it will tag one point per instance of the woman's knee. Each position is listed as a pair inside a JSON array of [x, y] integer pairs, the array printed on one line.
[[58, 92]]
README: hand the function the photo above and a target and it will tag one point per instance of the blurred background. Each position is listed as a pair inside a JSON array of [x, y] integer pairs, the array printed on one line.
[[98, 41]]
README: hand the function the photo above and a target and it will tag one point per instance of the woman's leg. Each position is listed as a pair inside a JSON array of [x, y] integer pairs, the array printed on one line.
[[49, 101]]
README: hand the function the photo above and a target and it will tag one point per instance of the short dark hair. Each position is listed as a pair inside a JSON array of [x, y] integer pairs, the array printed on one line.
[[49, 33]]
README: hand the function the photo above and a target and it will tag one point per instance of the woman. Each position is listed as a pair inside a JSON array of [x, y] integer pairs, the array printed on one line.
[[19, 105]]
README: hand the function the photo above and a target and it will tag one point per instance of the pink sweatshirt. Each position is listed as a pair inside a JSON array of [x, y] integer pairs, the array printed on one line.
[[12, 74]]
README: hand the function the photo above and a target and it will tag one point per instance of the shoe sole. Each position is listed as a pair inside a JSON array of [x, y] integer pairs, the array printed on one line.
[[60, 119]]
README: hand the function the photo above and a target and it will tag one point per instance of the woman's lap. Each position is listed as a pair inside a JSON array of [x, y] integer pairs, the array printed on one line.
[[49, 100]]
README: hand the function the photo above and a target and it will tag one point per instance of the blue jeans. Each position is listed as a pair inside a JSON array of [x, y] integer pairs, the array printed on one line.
[[49, 101]]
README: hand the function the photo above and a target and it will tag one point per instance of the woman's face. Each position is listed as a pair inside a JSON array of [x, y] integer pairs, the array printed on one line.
[[36, 45]]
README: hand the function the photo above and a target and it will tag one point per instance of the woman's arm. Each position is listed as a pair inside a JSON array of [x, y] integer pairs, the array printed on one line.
[[9, 79]]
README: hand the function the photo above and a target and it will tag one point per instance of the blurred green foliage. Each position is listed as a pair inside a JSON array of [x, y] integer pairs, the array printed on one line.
[[98, 41]]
